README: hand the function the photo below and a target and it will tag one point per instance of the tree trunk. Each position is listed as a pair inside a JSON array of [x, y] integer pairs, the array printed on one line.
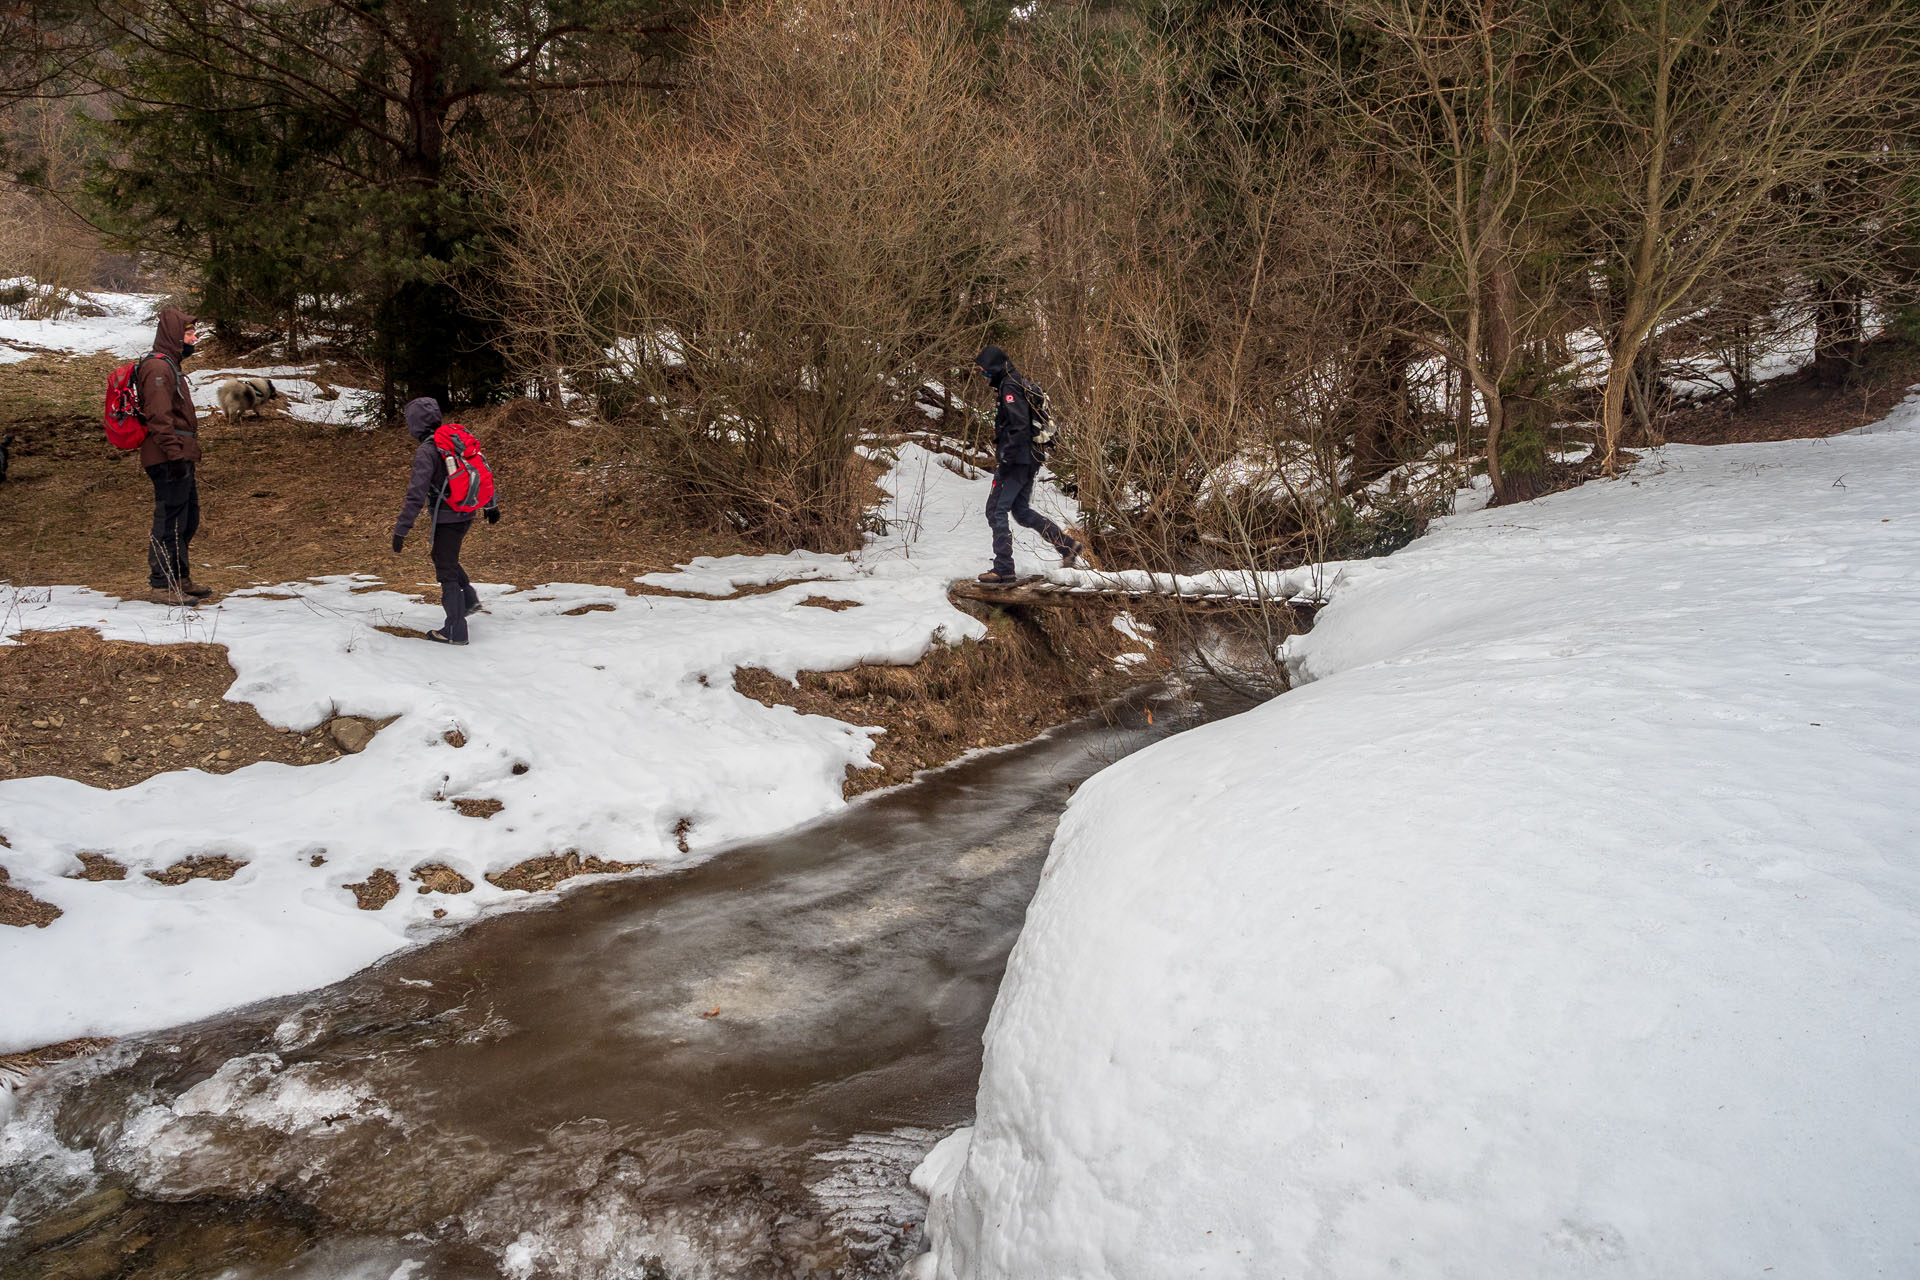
[[1836, 343], [1613, 401], [1380, 410], [1463, 419], [1496, 414], [1644, 386], [1742, 365]]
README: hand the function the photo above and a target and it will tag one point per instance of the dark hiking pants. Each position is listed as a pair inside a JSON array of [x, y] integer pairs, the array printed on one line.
[[456, 592], [176, 517], [1012, 490]]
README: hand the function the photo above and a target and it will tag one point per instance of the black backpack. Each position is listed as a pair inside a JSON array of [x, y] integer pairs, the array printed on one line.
[[1046, 432]]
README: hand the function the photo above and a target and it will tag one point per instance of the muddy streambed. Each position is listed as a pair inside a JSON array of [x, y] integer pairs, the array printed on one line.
[[725, 1072]]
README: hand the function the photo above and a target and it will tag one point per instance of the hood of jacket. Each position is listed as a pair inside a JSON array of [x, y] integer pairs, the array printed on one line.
[[170, 335], [423, 415], [994, 361]]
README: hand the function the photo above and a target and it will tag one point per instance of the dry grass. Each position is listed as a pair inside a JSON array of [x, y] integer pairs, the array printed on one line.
[[477, 808], [37, 1059], [198, 867], [437, 877], [376, 891], [97, 867]]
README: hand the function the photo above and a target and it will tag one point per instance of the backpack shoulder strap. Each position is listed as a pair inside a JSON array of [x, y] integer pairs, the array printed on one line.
[[139, 397], [1030, 392]]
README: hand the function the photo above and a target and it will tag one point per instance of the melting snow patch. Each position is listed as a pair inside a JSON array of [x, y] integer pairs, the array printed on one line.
[[122, 325], [301, 394], [596, 733]]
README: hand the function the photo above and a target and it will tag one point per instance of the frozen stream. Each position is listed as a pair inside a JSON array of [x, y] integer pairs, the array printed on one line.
[[725, 1072]]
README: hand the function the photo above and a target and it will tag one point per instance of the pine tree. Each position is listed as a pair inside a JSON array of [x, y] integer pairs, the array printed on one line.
[[309, 158]]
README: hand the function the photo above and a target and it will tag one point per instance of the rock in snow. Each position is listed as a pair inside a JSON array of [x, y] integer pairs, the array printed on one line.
[[349, 734], [1564, 920]]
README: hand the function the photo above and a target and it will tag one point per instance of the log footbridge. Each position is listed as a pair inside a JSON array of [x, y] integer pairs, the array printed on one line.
[[1213, 593]]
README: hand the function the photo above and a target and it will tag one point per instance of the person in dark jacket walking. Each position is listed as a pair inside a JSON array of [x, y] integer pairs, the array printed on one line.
[[171, 454], [1016, 462], [428, 485]]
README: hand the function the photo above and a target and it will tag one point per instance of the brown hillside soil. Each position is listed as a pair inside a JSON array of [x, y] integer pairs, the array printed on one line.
[[283, 499], [21, 910], [112, 713], [1039, 668], [1798, 408]]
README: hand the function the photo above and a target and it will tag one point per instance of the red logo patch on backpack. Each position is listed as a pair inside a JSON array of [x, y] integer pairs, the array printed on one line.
[[469, 479], [126, 425]]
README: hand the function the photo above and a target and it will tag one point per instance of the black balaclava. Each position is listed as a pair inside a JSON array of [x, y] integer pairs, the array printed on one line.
[[423, 415], [993, 362]]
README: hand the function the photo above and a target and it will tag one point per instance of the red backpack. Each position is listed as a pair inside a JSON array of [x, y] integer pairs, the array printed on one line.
[[126, 424], [469, 479]]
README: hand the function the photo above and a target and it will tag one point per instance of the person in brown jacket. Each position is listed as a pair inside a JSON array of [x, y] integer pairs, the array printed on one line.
[[170, 454]]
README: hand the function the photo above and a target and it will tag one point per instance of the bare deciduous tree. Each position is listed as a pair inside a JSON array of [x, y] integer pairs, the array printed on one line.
[[753, 268], [1721, 118], [1467, 109]]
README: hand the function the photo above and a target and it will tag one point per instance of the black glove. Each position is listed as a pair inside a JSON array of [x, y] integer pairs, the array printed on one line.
[[493, 515], [399, 542]]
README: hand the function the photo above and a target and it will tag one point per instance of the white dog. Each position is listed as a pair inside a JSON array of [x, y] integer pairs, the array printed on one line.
[[245, 395]]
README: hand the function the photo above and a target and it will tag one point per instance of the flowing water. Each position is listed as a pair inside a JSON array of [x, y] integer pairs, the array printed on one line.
[[724, 1072]]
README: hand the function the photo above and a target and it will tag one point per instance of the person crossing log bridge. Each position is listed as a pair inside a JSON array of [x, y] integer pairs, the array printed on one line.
[[1017, 456]]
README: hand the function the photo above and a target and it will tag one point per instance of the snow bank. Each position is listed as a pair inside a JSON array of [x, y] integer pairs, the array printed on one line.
[[598, 731], [1563, 922]]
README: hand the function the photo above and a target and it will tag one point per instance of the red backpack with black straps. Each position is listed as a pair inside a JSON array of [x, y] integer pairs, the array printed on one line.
[[469, 480], [125, 422]]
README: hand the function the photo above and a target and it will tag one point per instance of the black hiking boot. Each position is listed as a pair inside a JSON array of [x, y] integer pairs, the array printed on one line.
[[440, 637], [994, 578], [1070, 549]]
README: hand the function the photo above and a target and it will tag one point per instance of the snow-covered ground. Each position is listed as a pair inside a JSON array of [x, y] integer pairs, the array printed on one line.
[[1563, 921], [598, 732], [300, 395], [124, 327]]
